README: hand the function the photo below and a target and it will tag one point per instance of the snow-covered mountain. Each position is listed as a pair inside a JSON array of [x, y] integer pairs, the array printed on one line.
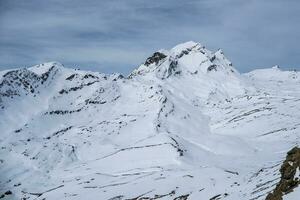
[[183, 125]]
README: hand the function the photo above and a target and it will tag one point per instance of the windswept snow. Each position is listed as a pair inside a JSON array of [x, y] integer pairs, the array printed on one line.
[[184, 125]]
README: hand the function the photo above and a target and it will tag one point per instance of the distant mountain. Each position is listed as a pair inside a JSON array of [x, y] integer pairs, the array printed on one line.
[[185, 125]]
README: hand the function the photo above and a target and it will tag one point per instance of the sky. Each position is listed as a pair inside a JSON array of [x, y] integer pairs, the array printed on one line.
[[118, 35]]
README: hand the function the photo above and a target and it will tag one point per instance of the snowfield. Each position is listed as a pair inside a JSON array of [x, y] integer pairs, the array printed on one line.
[[184, 125]]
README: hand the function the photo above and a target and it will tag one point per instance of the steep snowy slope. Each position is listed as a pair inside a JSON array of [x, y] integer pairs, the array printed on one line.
[[183, 125]]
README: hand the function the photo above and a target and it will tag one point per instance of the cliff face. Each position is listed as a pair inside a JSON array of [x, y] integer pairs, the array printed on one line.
[[290, 178]]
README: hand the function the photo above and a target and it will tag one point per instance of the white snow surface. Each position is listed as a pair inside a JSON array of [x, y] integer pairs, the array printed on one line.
[[187, 126], [293, 195]]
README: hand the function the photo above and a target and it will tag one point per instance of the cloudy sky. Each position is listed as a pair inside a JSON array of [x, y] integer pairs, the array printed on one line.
[[118, 35]]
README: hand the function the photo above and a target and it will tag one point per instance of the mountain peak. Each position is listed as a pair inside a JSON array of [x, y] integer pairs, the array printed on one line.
[[189, 57], [45, 67], [185, 46]]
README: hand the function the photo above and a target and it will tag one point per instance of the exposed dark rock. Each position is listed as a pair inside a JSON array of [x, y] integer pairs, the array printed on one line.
[[72, 89], [212, 67], [156, 196], [155, 58], [18, 130], [22, 81], [120, 197], [215, 197], [45, 75], [88, 101], [184, 52], [120, 76], [8, 192], [182, 197], [70, 78], [89, 76], [17, 184], [173, 68], [62, 112], [212, 58], [61, 131], [5, 194], [18, 79], [288, 180]]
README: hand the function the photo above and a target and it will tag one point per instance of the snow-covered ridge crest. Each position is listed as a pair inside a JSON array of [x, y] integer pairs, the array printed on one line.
[[45, 67], [190, 60]]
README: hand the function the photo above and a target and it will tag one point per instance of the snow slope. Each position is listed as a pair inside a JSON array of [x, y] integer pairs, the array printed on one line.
[[183, 125]]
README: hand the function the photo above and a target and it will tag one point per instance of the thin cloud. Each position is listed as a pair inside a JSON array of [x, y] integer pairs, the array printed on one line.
[[117, 35]]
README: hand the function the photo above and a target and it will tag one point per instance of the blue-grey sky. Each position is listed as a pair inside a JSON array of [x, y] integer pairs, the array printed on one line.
[[118, 35]]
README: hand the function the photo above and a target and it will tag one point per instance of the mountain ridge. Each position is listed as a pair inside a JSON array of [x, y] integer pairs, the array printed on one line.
[[183, 125]]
